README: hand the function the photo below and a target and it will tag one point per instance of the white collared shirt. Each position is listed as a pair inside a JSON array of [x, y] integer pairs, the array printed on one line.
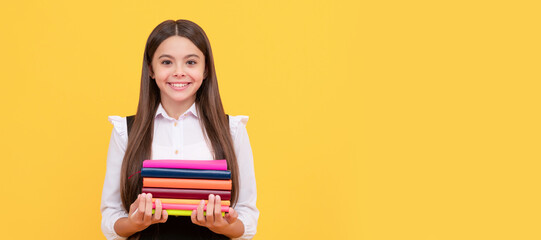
[[179, 139]]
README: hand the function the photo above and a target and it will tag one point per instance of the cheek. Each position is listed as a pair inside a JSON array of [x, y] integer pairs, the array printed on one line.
[[197, 75], [162, 75]]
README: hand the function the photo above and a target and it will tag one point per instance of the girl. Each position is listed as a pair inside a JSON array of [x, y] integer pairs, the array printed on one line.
[[179, 116]]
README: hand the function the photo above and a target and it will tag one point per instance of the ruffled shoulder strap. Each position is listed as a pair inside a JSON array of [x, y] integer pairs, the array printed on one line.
[[119, 125], [236, 122]]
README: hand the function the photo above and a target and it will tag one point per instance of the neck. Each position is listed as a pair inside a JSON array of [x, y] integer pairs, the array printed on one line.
[[175, 109]]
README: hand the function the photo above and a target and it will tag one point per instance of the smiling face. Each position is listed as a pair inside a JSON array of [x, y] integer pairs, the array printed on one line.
[[178, 67]]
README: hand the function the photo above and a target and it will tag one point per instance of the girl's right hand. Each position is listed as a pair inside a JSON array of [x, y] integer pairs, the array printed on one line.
[[140, 216]]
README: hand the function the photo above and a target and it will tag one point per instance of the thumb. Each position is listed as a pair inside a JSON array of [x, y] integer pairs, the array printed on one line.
[[134, 205]]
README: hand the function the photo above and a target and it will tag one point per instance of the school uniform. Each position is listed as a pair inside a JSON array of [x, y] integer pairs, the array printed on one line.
[[179, 139]]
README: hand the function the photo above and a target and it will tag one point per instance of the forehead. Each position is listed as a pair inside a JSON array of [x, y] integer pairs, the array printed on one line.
[[178, 47]]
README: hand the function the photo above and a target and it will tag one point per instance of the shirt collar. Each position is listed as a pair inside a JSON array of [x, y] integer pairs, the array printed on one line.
[[191, 111]]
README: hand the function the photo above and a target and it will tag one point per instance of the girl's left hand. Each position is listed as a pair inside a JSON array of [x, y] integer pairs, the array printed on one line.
[[214, 220]]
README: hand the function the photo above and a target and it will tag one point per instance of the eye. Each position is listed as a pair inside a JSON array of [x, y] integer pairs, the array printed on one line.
[[166, 62], [191, 62]]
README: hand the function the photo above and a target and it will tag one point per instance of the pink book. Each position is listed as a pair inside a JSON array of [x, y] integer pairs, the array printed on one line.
[[186, 207], [187, 164]]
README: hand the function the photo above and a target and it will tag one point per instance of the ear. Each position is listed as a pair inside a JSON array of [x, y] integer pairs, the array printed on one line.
[[205, 74], [150, 71]]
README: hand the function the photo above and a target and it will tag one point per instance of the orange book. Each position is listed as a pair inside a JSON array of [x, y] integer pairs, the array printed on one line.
[[187, 183]]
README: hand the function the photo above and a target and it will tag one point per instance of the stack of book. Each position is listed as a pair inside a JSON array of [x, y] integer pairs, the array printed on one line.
[[182, 184]]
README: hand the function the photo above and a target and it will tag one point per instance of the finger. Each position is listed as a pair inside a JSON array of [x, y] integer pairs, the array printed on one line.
[[194, 217], [141, 207], [210, 210], [232, 216], [200, 217], [158, 211], [148, 209], [218, 209], [165, 215]]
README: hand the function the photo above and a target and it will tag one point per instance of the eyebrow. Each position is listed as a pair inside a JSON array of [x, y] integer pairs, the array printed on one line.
[[187, 56]]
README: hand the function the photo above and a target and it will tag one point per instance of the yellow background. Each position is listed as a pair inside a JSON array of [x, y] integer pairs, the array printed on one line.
[[368, 119]]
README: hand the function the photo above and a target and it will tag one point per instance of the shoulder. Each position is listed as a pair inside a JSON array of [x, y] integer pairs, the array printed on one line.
[[119, 125], [237, 124]]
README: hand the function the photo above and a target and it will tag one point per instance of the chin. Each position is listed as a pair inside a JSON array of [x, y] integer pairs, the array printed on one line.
[[181, 99]]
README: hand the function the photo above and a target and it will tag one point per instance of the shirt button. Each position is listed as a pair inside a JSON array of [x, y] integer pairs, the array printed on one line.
[[176, 151], [175, 124]]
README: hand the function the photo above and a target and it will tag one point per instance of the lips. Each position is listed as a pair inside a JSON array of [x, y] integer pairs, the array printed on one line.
[[179, 85]]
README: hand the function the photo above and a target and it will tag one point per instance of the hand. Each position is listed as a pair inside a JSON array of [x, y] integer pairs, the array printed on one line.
[[214, 220], [141, 216]]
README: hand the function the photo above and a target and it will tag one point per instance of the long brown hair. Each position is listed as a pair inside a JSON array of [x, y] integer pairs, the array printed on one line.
[[208, 103]]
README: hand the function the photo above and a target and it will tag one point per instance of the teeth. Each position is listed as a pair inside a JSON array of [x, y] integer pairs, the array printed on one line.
[[179, 85]]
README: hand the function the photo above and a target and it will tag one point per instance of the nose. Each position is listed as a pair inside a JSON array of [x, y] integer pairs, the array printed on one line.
[[179, 72]]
